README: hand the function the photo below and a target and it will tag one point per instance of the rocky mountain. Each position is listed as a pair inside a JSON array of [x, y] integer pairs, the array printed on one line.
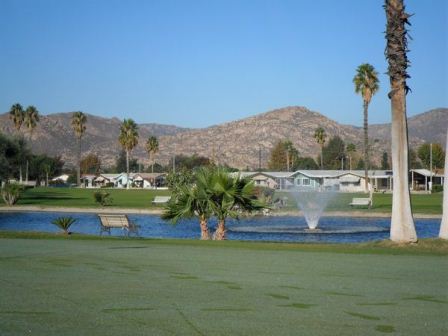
[[236, 143], [430, 126], [54, 136]]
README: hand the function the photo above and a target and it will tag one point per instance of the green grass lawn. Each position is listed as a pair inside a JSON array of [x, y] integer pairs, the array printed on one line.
[[79, 286], [83, 198], [421, 203], [141, 199]]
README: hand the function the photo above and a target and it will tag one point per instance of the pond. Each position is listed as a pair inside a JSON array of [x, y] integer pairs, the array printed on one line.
[[277, 228]]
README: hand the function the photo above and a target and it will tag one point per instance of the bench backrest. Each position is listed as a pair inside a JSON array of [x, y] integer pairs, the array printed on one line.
[[361, 200], [161, 199], [115, 220]]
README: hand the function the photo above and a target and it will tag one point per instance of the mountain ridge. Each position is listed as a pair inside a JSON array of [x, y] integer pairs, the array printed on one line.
[[236, 143]]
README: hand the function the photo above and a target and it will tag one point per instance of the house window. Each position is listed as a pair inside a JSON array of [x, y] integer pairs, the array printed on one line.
[[306, 181]]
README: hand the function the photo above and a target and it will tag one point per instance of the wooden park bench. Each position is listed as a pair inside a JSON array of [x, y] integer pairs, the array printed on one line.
[[161, 199], [109, 221], [361, 201]]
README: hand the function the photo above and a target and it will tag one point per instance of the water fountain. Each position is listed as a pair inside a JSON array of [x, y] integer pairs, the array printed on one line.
[[312, 202]]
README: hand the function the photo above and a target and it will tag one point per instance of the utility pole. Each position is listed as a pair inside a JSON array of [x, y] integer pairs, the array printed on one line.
[[430, 167], [174, 159], [342, 163], [259, 157]]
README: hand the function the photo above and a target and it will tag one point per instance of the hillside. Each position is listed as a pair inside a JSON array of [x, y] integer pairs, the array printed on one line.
[[430, 126], [235, 143]]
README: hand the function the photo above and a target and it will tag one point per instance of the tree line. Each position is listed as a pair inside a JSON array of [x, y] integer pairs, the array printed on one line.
[[337, 155]]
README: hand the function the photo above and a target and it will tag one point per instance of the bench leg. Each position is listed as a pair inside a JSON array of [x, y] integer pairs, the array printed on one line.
[[104, 229]]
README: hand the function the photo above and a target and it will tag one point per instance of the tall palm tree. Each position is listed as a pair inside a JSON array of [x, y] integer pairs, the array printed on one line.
[[351, 148], [402, 224], [444, 225], [320, 136], [193, 200], [30, 120], [79, 121], [128, 139], [289, 147], [152, 147], [17, 115], [367, 84]]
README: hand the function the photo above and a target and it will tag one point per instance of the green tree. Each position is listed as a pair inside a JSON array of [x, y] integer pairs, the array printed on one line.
[[350, 150], [13, 151], [11, 193], [333, 153], [414, 162], [190, 162], [31, 119], [283, 156], [179, 178], [42, 166], [321, 136], [231, 196], [152, 147], [17, 116], [367, 84], [79, 121], [193, 200], [360, 165], [438, 155], [157, 168], [120, 163], [402, 223], [306, 163], [385, 161], [91, 164], [128, 139], [212, 192]]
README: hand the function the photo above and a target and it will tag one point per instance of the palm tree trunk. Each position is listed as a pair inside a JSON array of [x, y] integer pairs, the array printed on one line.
[[205, 234], [402, 224], [78, 172], [444, 225], [220, 233], [287, 161], [20, 173], [402, 227], [26, 173], [322, 157], [152, 163], [366, 146], [127, 170]]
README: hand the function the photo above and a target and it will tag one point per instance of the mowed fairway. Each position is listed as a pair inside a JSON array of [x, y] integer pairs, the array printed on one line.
[[149, 287]]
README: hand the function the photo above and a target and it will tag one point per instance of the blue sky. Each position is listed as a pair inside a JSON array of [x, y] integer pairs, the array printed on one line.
[[199, 63]]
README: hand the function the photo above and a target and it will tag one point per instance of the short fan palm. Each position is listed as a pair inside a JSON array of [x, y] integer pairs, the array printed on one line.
[[64, 223]]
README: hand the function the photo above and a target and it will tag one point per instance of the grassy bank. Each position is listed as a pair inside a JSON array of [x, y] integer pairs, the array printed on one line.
[[421, 203], [83, 198], [65, 286], [141, 199]]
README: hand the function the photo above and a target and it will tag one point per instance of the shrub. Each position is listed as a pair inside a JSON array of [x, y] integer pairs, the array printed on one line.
[[57, 183], [64, 223], [437, 188], [102, 197], [11, 193]]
